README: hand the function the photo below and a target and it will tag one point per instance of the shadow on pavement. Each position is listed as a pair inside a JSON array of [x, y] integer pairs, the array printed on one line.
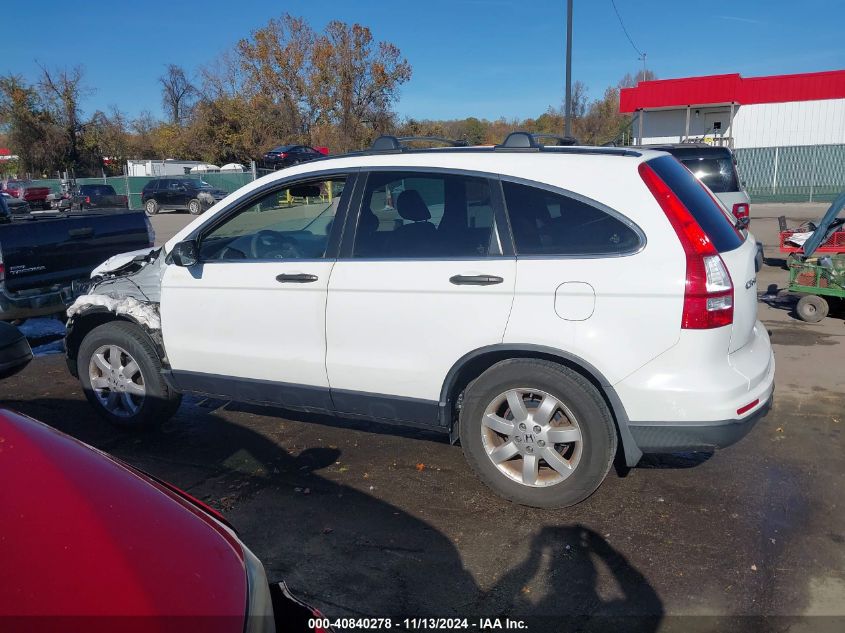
[[350, 553]]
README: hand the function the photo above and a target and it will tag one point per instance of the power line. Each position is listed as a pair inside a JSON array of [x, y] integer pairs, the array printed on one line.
[[624, 30]]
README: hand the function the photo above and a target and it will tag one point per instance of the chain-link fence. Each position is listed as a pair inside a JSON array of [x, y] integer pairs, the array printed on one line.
[[801, 173], [132, 186]]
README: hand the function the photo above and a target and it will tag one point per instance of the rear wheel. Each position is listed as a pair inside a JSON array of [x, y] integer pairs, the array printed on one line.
[[151, 207], [812, 308], [537, 433], [195, 207], [120, 373]]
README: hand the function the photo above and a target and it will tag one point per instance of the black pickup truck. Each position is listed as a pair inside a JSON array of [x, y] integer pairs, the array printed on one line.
[[45, 260], [98, 197]]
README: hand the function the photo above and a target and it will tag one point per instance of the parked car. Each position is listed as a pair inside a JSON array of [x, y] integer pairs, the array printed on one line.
[[287, 155], [98, 197], [505, 296], [11, 205], [45, 260], [31, 193], [180, 194], [715, 167], [86, 536]]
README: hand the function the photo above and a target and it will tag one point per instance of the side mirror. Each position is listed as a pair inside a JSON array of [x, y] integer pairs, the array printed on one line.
[[185, 253], [15, 352]]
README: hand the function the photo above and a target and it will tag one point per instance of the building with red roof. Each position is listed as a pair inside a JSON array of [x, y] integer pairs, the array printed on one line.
[[741, 112]]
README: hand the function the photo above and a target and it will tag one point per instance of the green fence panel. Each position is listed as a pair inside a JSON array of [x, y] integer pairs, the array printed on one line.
[[798, 173]]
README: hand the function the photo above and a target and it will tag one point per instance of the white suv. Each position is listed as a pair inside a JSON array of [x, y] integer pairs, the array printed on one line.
[[545, 305]]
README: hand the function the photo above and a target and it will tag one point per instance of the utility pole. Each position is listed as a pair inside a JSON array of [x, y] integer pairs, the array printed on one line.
[[568, 104]]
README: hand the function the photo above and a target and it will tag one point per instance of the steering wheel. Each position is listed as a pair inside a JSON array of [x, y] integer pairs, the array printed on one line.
[[268, 244]]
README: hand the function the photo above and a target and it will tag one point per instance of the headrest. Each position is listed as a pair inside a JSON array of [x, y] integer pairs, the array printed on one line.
[[411, 206]]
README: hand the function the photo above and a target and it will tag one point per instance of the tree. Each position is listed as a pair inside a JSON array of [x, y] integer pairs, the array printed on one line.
[[178, 94], [338, 86], [641, 75], [107, 137], [26, 125], [276, 62], [61, 91], [354, 80]]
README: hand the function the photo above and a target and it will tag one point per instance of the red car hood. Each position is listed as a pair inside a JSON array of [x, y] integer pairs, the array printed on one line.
[[81, 534]]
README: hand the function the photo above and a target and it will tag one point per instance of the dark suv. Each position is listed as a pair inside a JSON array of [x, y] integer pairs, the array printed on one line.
[[287, 155], [192, 194]]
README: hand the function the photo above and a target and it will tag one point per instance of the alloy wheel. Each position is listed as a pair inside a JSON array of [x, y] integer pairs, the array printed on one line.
[[116, 380], [531, 437]]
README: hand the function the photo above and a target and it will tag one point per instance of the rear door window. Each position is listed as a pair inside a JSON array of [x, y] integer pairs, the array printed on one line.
[[704, 209], [417, 214], [545, 222]]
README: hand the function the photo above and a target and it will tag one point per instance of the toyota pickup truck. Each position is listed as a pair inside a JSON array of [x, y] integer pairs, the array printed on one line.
[[46, 260]]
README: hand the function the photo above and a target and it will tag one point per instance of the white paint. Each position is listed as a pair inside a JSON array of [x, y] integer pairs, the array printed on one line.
[[144, 313], [117, 261], [397, 327], [575, 301], [235, 319]]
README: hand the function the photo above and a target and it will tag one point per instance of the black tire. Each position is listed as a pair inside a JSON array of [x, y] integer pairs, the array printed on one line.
[[151, 207], [598, 431], [812, 308], [158, 404], [195, 207]]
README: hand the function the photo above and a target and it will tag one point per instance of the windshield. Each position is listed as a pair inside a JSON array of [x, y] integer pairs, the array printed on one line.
[[282, 148], [717, 173]]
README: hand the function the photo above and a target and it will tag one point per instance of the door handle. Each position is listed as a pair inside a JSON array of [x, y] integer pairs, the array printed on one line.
[[475, 280], [296, 278]]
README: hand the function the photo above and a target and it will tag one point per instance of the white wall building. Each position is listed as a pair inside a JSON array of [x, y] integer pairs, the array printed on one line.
[[773, 111]]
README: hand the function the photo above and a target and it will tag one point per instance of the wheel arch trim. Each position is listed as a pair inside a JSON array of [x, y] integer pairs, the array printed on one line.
[[630, 449], [85, 321]]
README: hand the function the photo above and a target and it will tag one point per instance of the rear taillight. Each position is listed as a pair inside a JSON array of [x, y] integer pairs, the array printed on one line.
[[87, 199], [2, 273], [708, 289], [741, 211]]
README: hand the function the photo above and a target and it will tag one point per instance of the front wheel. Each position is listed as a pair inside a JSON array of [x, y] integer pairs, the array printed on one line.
[[195, 207], [537, 433], [120, 373], [812, 308], [151, 207]]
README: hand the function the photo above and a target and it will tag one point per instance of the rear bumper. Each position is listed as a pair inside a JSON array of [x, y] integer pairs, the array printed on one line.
[[695, 436], [42, 302], [688, 398]]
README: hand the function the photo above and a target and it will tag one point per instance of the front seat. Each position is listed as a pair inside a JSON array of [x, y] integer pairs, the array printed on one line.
[[416, 236]]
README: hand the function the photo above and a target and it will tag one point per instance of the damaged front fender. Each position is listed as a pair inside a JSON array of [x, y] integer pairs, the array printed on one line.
[[127, 288]]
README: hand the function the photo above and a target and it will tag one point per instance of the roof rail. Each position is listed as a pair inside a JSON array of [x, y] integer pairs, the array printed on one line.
[[388, 143], [527, 140]]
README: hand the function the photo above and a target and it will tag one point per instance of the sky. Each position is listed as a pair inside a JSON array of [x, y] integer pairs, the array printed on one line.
[[483, 58]]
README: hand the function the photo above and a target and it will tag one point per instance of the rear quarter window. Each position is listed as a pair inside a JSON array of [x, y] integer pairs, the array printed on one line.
[[545, 222], [695, 197]]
